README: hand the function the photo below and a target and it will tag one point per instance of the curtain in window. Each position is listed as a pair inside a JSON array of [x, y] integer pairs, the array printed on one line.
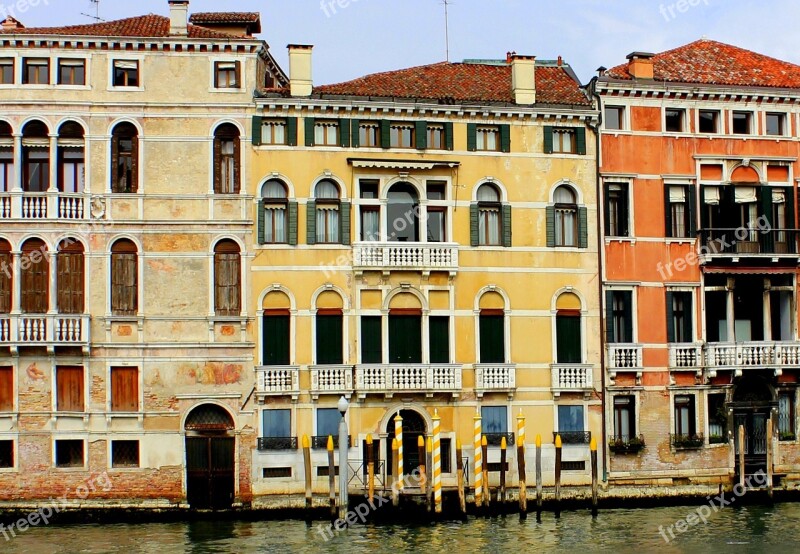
[[275, 224], [489, 225], [327, 223], [277, 423], [494, 419], [565, 227], [370, 221]]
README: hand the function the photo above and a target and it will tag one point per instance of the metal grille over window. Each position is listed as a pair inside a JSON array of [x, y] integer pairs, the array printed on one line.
[[209, 418]]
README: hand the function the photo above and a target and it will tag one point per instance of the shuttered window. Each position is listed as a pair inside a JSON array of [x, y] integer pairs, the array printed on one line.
[[227, 279], [492, 337], [124, 278], [6, 279], [227, 155], [679, 317], [70, 277], [227, 74], [329, 337], [439, 339], [490, 220], [405, 337], [124, 159], [69, 389], [371, 340], [619, 317], [35, 275], [6, 389], [124, 389], [276, 339], [568, 338]]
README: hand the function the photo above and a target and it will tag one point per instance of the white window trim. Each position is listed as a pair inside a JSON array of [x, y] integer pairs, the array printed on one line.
[[636, 407], [110, 457], [213, 75], [625, 123], [720, 122], [14, 438], [631, 211], [686, 392], [684, 121], [139, 378], [110, 316], [786, 124], [634, 308], [54, 392], [753, 119], [124, 56]]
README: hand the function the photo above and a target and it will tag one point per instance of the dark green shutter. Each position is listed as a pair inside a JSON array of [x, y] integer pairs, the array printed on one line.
[[355, 134], [448, 136], [386, 134], [421, 134], [628, 315], [472, 137], [276, 340], [439, 339], [691, 193], [670, 318], [261, 223], [291, 131], [767, 242], [258, 122], [791, 236], [607, 210], [311, 222], [405, 339], [505, 211], [344, 223], [474, 236], [623, 211], [371, 340], [492, 339], [551, 226], [610, 337], [580, 141], [548, 139], [688, 320], [310, 125], [329, 340], [292, 231], [568, 340], [703, 210], [505, 138], [667, 212], [344, 133], [583, 228]]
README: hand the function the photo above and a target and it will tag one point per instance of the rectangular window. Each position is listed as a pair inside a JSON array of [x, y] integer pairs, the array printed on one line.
[[6, 71], [36, 71], [617, 210], [402, 135], [436, 137], [329, 337], [488, 139], [742, 123], [371, 340], [494, 420], [492, 337], [273, 132], [6, 260], [570, 419], [37, 170], [369, 189], [6, 169], [327, 221], [328, 420], [405, 338], [680, 311], [613, 117], [564, 141], [227, 75], [124, 389], [685, 425], [786, 416], [568, 338], [6, 389], [369, 135], [621, 319], [437, 224], [276, 338], [674, 119], [439, 331], [370, 223], [69, 389], [71, 72], [274, 222], [447, 455], [72, 173], [717, 419], [679, 216], [776, 123], [124, 454], [489, 222], [6, 454], [69, 453], [126, 73], [326, 133], [624, 418], [277, 423], [709, 121], [124, 283]]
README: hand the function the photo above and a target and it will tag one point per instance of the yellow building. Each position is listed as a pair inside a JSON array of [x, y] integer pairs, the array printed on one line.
[[426, 241]]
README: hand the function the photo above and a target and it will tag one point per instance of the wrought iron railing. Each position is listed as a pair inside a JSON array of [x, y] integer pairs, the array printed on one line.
[[495, 439], [277, 443], [320, 442], [626, 444], [574, 437], [687, 442], [748, 240]]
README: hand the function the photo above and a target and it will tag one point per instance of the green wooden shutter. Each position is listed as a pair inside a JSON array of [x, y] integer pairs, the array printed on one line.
[[505, 211], [791, 236], [292, 223], [548, 139], [439, 339], [261, 224], [258, 122], [628, 314], [405, 339], [691, 193], [505, 138], [310, 125], [276, 340], [355, 133], [767, 242], [624, 211], [371, 340], [667, 212], [670, 317], [421, 134], [688, 321], [291, 131], [329, 340], [580, 141], [583, 227], [703, 210], [568, 340], [386, 134], [610, 336], [344, 133], [344, 222], [311, 222], [492, 339], [448, 136], [474, 236], [472, 137], [551, 226]]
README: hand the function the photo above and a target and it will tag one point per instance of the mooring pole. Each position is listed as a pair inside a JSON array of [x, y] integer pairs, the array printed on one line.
[[462, 497], [769, 457], [395, 473], [307, 467], [558, 475], [487, 492], [370, 469], [741, 456], [538, 477], [523, 493], [501, 494], [331, 477], [593, 452], [422, 471]]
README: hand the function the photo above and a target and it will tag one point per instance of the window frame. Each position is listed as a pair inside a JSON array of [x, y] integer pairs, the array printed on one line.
[[564, 208], [684, 402], [273, 123], [131, 404], [218, 72], [482, 133], [125, 131], [432, 130], [227, 164], [276, 204], [618, 408], [73, 442], [124, 84], [12, 460], [621, 117], [623, 227], [7, 389], [35, 300], [28, 63], [4, 64], [75, 402], [128, 443], [369, 130], [789, 431], [227, 251], [484, 208], [681, 113], [70, 63], [327, 126], [328, 207], [283, 412], [559, 136], [502, 411], [119, 249], [717, 120], [782, 124], [750, 120], [397, 135]]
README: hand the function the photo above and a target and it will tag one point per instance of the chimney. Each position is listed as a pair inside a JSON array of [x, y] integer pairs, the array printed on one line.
[[300, 81], [11, 23], [523, 79], [640, 65], [179, 18]]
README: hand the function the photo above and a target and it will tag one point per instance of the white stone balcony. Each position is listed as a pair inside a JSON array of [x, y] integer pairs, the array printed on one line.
[[279, 380], [686, 356], [389, 379], [331, 379], [43, 206], [626, 357], [572, 378], [44, 330], [424, 257], [495, 378], [742, 355]]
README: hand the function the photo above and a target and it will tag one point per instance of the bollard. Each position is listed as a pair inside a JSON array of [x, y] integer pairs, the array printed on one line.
[[395, 473], [437, 463], [429, 473], [501, 494], [370, 470], [593, 452], [332, 477], [538, 477], [462, 498], [523, 493], [741, 456], [769, 457], [421, 452], [307, 466], [558, 475], [487, 493], [478, 460], [398, 434]]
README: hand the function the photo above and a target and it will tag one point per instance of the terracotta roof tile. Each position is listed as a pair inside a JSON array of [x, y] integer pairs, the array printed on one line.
[[715, 63], [145, 26], [461, 82], [224, 17]]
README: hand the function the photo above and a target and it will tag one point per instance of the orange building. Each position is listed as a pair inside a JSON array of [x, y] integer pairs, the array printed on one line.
[[699, 163]]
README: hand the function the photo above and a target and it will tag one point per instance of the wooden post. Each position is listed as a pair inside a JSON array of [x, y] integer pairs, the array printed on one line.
[[462, 498], [538, 477], [558, 475], [501, 494], [436, 463], [769, 457], [331, 477], [421, 453], [429, 473], [485, 455], [370, 470], [307, 466], [741, 456], [523, 493], [398, 434], [396, 485], [593, 452], [478, 457]]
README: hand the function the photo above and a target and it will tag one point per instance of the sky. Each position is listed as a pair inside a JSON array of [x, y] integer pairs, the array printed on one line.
[[352, 38]]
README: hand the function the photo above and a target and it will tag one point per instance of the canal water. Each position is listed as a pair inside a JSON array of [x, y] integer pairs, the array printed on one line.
[[730, 531]]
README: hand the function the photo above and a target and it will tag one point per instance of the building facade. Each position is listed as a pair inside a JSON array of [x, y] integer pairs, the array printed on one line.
[[699, 167]]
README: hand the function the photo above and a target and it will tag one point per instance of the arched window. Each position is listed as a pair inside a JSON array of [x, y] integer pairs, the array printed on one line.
[[489, 216], [329, 329], [6, 283], [227, 278], [7, 177], [402, 221], [569, 342], [71, 158], [35, 277], [566, 214], [227, 169], [492, 329], [276, 335], [273, 215], [124, 278], [35, 157], [125, 158], [70, 277], [326, 211]]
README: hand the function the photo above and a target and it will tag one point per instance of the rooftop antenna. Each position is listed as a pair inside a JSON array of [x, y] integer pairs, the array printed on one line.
[[96, 15], [447, 27]]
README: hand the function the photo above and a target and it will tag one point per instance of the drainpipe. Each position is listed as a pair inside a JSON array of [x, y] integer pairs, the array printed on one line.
[[600, 257]]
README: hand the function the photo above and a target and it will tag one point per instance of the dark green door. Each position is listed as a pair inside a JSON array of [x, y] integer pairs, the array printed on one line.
[[568, 339], [329, 339], [405, 339], [276, 340], [493, 341]]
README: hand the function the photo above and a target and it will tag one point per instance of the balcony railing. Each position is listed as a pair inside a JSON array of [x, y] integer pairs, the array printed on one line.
[[34, 206], [685, 356], [572, 377], [39, 206], [321, 442], [687, 442], [746, 241], [495, 378], [278, 380], [331, 379], [625, 444], [752, 354], [625, 357], [496, 439], [277, 443], [573, 437], [44, 330], [406, 256], [392, 378]]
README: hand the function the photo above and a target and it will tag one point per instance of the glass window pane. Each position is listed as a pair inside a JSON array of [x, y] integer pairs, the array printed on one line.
[[277, 423], [328, 422], [570, 418], [494, 419]]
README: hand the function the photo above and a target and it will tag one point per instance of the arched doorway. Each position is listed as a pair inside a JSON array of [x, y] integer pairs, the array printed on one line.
[[413, 427], [210, 457], [753, 401]]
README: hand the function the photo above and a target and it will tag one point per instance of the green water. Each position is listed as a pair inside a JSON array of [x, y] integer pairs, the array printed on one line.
[[730, 531]]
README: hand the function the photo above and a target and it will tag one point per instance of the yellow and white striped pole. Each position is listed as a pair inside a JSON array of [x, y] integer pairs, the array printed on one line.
[[437, 463], [523, 493], [478, 459], [398, 434]]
